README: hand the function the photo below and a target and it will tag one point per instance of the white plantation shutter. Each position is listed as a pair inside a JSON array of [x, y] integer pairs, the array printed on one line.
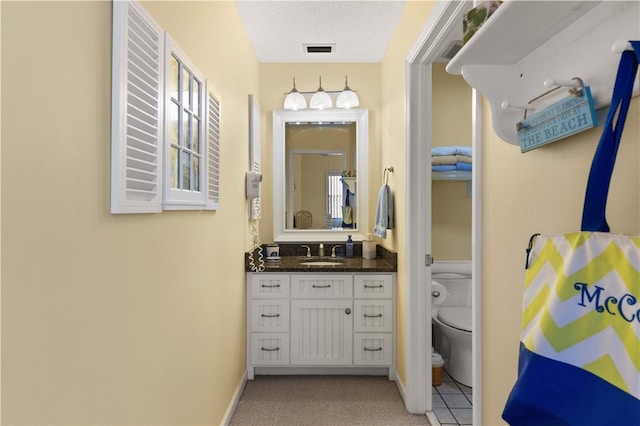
[[137, 84], [213, 152], [255, 208]]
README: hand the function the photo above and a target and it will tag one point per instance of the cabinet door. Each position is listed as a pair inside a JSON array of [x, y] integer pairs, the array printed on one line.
[[321, 332]]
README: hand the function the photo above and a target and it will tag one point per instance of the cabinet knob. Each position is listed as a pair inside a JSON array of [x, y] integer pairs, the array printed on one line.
[[347, 311]]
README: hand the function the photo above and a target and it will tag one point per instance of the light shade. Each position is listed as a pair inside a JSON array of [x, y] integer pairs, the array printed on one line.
[[320, 99], [347, 98], [294, 100]]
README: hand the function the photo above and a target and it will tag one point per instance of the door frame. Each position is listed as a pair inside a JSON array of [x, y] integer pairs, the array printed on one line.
[[446, 17]]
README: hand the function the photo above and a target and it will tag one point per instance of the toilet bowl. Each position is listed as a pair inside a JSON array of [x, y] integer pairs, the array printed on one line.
[[451, 318]]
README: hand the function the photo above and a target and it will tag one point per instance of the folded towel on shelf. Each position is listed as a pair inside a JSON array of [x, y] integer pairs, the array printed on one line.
[[463, 159], [384, 212], [464, 150], [444, 168], [464, 167], [438, 151], [444, 159], [443, 150]]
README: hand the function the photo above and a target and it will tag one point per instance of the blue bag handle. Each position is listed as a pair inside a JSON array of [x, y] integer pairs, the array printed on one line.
[[595, 202]]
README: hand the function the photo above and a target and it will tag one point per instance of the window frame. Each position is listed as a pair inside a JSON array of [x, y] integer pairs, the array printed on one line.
[[179, 198]]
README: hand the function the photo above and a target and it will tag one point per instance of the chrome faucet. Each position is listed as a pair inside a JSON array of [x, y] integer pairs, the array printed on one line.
[[308, 251], [333, 250], [321, 250]]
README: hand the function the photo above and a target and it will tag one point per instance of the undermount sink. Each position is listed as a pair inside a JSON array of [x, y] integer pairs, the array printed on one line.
[[321, 263]]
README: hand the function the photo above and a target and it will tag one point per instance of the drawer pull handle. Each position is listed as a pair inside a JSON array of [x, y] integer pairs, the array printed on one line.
[[270, 286], [321, 286], [373, 286], [270, 316], [372, 350], [270, 349], [373, 316]]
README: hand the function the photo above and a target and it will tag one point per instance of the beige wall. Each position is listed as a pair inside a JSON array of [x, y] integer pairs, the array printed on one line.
[[540, 191], [393, 149], [276, 80], [450, 204], [114, 319]]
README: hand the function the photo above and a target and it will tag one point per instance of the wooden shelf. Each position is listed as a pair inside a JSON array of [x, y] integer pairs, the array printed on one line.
[[451, 175]]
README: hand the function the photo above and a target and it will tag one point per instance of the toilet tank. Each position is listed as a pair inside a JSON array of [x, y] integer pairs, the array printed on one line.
[[455, 276]]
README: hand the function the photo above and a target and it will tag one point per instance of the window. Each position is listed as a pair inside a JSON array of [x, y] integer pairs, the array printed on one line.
[[165, 122], [334, 196], [184, 149]]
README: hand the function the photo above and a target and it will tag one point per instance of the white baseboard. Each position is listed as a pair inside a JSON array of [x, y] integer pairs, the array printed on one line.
[[433, 420], [401, 388], [234, 401]]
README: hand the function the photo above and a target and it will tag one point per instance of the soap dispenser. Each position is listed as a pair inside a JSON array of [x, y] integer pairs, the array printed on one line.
[[349, 246]]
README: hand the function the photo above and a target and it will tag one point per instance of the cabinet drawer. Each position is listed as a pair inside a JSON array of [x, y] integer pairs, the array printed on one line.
[[329, 286], [373, 286], [372, 349], [274, 286], [269, 348], [372, 315], [270, 315]]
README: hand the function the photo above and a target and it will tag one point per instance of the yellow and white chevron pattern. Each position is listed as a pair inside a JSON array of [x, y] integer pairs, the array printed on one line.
[[582, 304]]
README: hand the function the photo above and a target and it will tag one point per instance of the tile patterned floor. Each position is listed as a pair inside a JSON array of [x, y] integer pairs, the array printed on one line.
[[452, 402]]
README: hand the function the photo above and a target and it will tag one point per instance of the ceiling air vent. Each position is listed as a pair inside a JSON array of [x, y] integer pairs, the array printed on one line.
[[319, 48], [452, 49]]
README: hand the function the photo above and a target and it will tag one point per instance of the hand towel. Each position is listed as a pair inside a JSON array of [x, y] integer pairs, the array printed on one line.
[[463, 159], [384, 212]]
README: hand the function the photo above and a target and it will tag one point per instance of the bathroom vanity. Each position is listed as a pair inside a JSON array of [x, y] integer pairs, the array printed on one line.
[[334, 318]]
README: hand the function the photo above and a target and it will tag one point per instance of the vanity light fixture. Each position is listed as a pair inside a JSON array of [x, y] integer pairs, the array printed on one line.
[[294, 100], [320, 99], [347, 98]]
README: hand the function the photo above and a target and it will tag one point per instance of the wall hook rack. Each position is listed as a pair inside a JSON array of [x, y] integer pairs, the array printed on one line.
[[504, 61]]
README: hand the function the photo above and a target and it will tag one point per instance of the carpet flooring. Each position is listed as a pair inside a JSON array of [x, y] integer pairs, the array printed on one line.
[[322, 400]]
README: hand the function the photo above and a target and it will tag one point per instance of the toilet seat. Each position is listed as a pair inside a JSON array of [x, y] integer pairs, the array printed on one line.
[[456, 317]]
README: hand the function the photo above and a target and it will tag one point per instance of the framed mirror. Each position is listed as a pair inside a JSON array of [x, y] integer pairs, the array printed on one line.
[[320, 174]]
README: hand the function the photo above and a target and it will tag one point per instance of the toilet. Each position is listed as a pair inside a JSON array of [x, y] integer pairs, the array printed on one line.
[[451, 317]]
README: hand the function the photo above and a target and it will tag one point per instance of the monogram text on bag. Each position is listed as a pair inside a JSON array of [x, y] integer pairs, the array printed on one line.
[[624, 306]]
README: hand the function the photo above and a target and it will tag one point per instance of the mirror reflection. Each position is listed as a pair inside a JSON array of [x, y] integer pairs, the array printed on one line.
[[321, 175], [312, 150]]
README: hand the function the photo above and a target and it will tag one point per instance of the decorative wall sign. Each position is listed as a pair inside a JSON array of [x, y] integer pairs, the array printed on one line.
[[566, 117]]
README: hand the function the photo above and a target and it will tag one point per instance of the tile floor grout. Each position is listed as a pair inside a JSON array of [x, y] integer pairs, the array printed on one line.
[[453, 402]]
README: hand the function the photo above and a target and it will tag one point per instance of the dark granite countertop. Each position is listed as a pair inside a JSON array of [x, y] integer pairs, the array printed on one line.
[[385, 261]]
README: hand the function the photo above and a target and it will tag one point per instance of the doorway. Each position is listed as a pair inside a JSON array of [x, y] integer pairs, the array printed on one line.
[[444, 21]]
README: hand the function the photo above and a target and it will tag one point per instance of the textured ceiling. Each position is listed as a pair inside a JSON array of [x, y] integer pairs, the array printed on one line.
[[358, 30]]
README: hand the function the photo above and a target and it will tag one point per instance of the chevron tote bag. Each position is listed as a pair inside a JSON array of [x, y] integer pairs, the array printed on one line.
[[579, 361]]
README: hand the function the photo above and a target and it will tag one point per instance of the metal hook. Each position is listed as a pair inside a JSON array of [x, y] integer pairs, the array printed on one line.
[[386, 174]]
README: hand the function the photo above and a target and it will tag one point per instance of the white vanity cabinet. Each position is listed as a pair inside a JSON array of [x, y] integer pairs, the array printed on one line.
[[302, 322]]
